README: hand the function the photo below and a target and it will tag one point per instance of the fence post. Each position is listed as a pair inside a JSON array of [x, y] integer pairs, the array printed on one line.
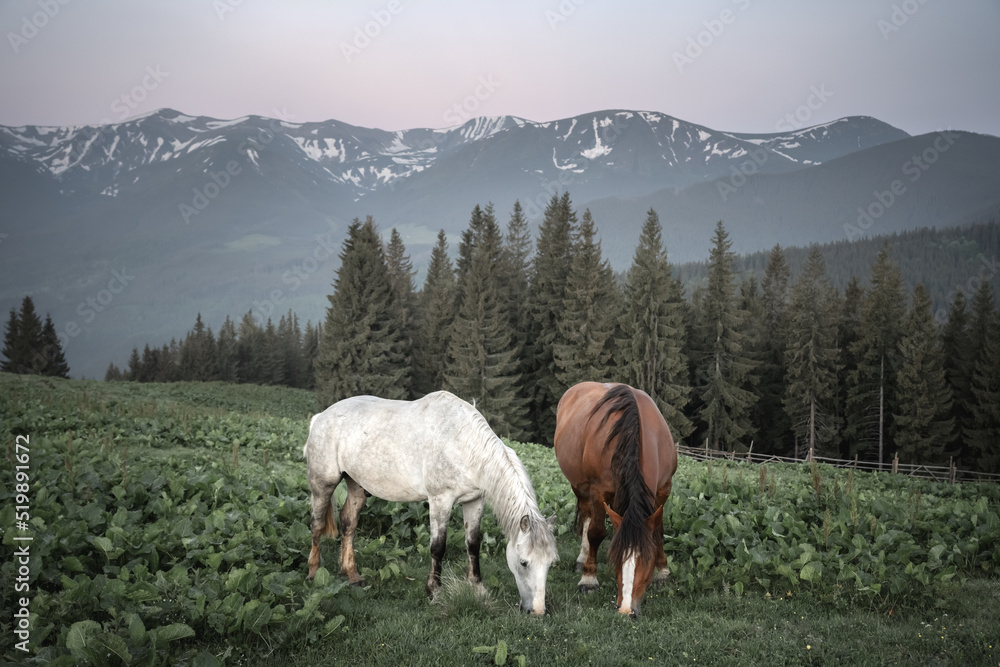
[[952, 470], [750, 451], [895, 463]]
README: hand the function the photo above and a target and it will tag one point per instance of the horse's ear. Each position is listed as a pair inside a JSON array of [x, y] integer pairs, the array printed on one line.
[[616, 519], [655, 519], [525, 523], [552, 522]]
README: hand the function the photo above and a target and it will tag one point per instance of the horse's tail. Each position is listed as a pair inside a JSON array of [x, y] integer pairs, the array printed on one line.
[[633, 499], [329, 525]]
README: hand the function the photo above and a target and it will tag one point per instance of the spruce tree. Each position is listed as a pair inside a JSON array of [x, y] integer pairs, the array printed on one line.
[[250, 351], [227, 353], [924, 428], [586, 324], [811, 359], [959, 359], [773, 424], [751, 302], [401, 280], [550, 269], [650, 347], [113, 374], [198, 356], [871, 397], [848, 327], [362, 351], [482, 354], [437, 312], [515, 270], [54, 360], [134, 372], [23, 343], [310, 348], [983, 433], [11, 341], [726, 406]]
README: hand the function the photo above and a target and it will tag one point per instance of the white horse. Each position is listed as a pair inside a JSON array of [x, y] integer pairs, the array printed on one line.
[[440, 449]]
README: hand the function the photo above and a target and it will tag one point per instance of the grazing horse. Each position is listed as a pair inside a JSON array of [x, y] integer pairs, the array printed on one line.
[[439, 449], [617, 453]]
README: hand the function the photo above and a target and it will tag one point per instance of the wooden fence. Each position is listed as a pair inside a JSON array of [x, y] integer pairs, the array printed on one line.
[[949, 473]]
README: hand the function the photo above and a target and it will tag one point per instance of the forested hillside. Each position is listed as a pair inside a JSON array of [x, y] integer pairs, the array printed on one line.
[[839, 348]]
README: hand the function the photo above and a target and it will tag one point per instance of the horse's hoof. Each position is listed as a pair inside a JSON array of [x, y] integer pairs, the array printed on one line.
[[359, 582], [587, 589]]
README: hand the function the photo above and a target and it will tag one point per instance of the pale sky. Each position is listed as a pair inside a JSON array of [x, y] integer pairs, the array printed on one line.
[[736, 65]]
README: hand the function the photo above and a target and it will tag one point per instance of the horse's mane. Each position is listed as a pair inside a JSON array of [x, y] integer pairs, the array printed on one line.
[[507, 485], [633, 499]]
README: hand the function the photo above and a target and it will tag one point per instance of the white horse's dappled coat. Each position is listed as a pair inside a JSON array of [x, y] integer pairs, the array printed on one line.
[[440, 449]]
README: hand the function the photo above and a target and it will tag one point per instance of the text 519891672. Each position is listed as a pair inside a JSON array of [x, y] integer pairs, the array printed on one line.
[[22, 554]]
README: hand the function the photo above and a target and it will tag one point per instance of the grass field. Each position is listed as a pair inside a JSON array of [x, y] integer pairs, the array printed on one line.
[[169, 527]]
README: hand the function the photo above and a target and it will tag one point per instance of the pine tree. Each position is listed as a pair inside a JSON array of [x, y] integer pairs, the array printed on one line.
[[54, 360], [811, 359], [650, 348], [725, 404], [582, 348], [983, 433], [437, 312], [482, 361], [773, 425], [362, 351], [924, 428], [272, 360], [550, 269], [871, 397]]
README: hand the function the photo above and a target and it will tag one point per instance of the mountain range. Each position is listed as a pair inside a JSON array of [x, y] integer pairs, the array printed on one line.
[[124, 232]]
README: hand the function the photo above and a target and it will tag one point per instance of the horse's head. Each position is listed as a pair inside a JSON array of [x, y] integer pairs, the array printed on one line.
[[530, 552], [637, 563]]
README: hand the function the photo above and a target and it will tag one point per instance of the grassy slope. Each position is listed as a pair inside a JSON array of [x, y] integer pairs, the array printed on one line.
[[393, 623]]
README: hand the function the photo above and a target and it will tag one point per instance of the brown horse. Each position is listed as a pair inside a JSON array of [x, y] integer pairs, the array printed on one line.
[[617, 453]]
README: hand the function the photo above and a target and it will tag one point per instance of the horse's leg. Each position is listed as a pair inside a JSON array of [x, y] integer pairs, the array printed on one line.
[[440, 512], [661, 571], [348, 523], [321, 522], [472, 513], [582, 523], [595, 533]]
